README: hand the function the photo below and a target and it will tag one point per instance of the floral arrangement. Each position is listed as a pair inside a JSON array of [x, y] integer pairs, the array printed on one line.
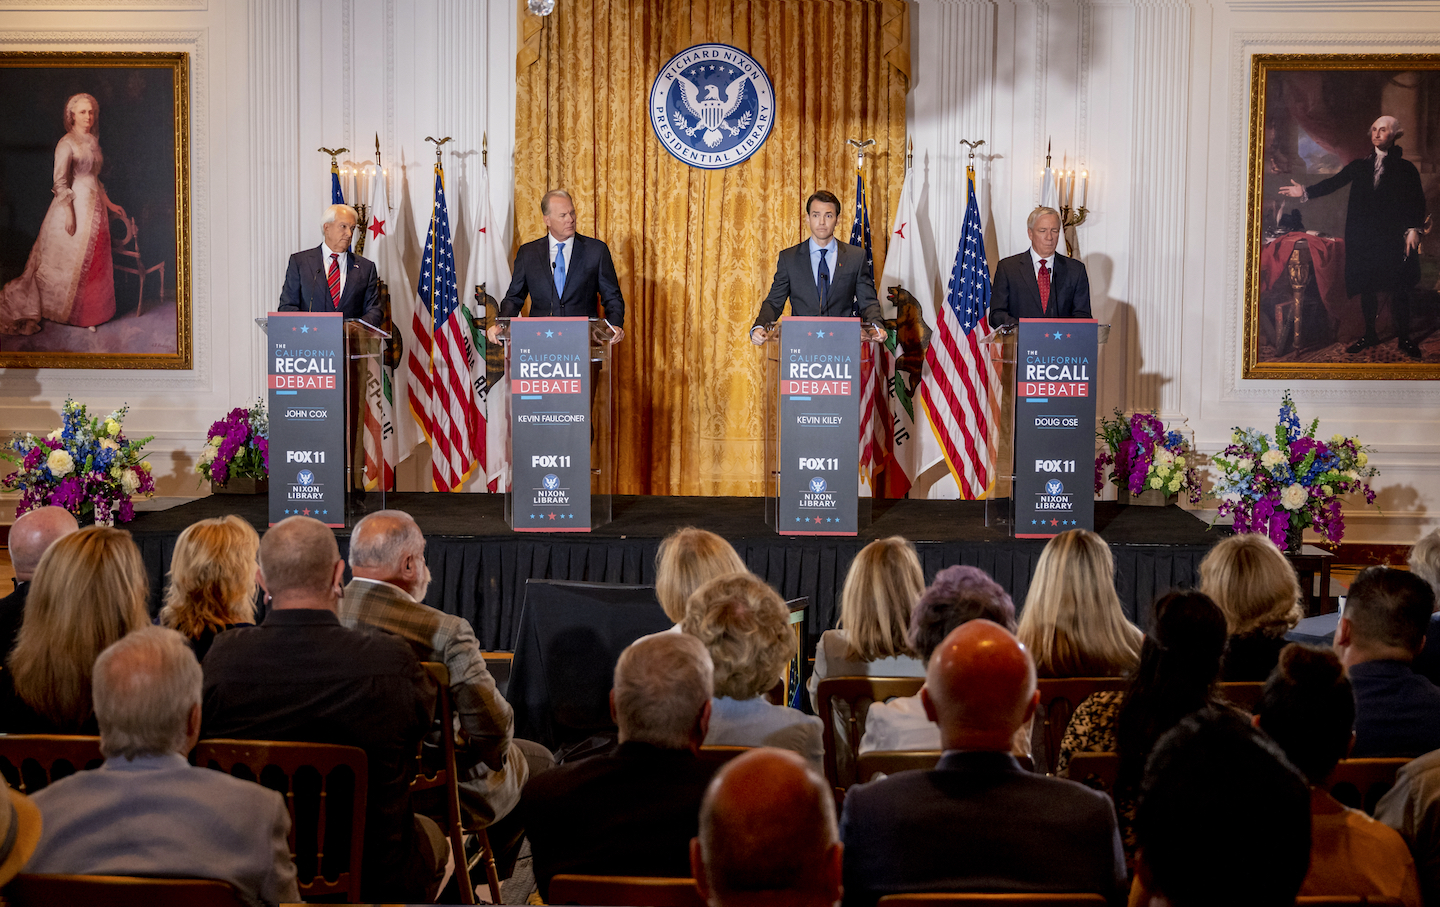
[[1282, 486], [237, 445], [86, 465], [1146, 457]]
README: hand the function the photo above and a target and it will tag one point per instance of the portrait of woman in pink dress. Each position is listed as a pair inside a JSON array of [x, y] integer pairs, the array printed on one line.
[[69, 277]]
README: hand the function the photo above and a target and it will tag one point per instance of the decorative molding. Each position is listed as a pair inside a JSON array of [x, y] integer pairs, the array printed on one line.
[[347, 62], [76, 6], [1313, 7], [1042, 94]]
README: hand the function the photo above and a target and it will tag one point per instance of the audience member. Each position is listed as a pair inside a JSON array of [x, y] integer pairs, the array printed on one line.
[[1072, 623], [1223, 818], [1424, 562], [89, 590], [32, 533], [1412, 807], [147, 811], [1308, 709], [1397, 712], [979, 822], [212, 581], [1179, 667], [19, 832], [957, 595], [767, 835], [688, 559], [302, 676], [746, 628], [1256, 588], [631, 811]]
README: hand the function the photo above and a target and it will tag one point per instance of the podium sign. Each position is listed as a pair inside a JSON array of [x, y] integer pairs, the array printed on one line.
[[1054, 440], [307, 416], [550, 424], [819, 391]]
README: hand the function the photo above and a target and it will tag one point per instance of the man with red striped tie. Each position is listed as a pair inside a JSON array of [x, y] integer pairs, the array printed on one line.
[[1039, 283], [331, 278]]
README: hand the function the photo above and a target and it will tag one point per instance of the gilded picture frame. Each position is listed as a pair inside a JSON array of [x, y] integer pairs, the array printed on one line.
[[1342, 269], [95, 210]]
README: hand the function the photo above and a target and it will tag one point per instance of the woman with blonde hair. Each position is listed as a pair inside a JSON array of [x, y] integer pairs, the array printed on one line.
[[89, 590], [1072, 623], [746, 628], [688, 558], [1259, 593], [881, 589], [212, 581], [1424, 562]]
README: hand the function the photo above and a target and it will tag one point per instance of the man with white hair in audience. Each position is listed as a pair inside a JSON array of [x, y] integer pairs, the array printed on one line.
[[33, 532], [632, 811], [147, 811], [1424, 562]]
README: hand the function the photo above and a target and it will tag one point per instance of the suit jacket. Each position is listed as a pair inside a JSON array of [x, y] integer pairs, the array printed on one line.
[[301, 676], [1412, 807], [1397, 712], [590, 274], [12, 614], [1376, 218], [306, 288], [159, 816], [1015, 292], [852, 292], [492, 769], [628, 812], [979, 822]]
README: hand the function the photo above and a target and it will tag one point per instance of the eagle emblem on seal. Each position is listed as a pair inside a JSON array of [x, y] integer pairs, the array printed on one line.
[[714, 111]]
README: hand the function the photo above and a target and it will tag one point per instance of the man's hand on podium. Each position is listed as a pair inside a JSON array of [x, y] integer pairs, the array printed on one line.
[[497, 332], [759, 334], [872, 332], [616, 334]]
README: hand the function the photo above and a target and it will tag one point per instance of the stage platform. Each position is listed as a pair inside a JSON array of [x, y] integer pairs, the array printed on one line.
[[480, 566]]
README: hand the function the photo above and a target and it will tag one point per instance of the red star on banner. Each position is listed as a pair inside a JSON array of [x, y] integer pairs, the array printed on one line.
[[901, 231], [552, 516], [1054, 522], [817, 519], [482, 229], [306, 511], [377, 228]]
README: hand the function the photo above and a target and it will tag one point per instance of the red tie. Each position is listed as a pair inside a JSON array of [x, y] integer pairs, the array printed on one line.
[[333, 278], [1044, 278]]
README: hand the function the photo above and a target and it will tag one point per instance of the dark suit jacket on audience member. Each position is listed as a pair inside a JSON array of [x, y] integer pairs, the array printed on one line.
[[302, 676], [851, 292], [1397, 712], [1251, 657], [1427, 662], [979, 822], [307, 288], [12, 614], [629, 812], [590, 274], [1015, 292]]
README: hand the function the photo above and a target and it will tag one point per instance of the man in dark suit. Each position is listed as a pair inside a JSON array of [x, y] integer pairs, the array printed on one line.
[[331, 278], [979, 822], [1383, 220], [821, 277], [1039, 283], [33, 532], [563, 273]]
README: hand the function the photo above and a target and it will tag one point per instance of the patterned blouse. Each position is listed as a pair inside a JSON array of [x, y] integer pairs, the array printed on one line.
[[1092, 730]]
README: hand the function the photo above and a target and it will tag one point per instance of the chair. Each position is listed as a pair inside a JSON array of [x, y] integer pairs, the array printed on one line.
[[1244, 695], [1360, 783], [1097, 770], [119, 891], [624, 891], [325, 788], [127, 260], [1319, 900], [1012, 900], [857, 694], [32, 761], [1059, 697], [724, 753], [447, 777], [882, 762]]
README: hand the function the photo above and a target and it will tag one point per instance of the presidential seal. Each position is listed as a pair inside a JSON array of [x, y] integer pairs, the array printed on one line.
[[712, 106]]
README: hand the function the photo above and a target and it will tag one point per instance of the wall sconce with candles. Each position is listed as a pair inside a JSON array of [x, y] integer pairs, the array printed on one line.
[[1071, 216]]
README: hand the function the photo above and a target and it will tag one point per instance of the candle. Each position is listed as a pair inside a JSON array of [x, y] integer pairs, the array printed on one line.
[[1084, 187]]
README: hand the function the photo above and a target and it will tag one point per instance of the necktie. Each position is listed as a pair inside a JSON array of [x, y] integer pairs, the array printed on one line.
[[560, 269], [1044, 278], [333, 278], [822, 280]]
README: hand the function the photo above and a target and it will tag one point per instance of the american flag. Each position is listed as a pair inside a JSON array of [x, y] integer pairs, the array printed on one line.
[[438, 372], [959, 380], [874, 432], [336, 196]]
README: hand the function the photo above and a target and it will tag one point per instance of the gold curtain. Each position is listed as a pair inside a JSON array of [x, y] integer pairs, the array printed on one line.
[[695, 249]]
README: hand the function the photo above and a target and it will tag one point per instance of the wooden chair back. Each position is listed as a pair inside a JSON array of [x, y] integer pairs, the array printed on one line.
[[1360, 783], [325, 790], [119, 891], [1059, 697], [858, 694], [30, 762], [1244, 695], [624, 891], [1010, 900], [724, 753], [882, 762], [1346, 900], [1097, 770]]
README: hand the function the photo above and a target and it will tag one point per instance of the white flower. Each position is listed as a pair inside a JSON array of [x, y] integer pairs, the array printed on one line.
[[1179, 462], [1271, 458], [1294, 496], [1164, 457], [1157, 482], [107, 444], [129, 481], [1244, 464], [54, 435], [207, 455], [1352, 475], [60, 463], [1362, 459]]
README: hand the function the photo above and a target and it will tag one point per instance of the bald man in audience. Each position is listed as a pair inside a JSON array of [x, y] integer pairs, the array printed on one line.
[[632, 811], [33, 532], [979, 822], [302, 676], [767, 835]]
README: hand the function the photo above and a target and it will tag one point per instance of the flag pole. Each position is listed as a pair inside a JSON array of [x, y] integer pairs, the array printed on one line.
[[440, 174]]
